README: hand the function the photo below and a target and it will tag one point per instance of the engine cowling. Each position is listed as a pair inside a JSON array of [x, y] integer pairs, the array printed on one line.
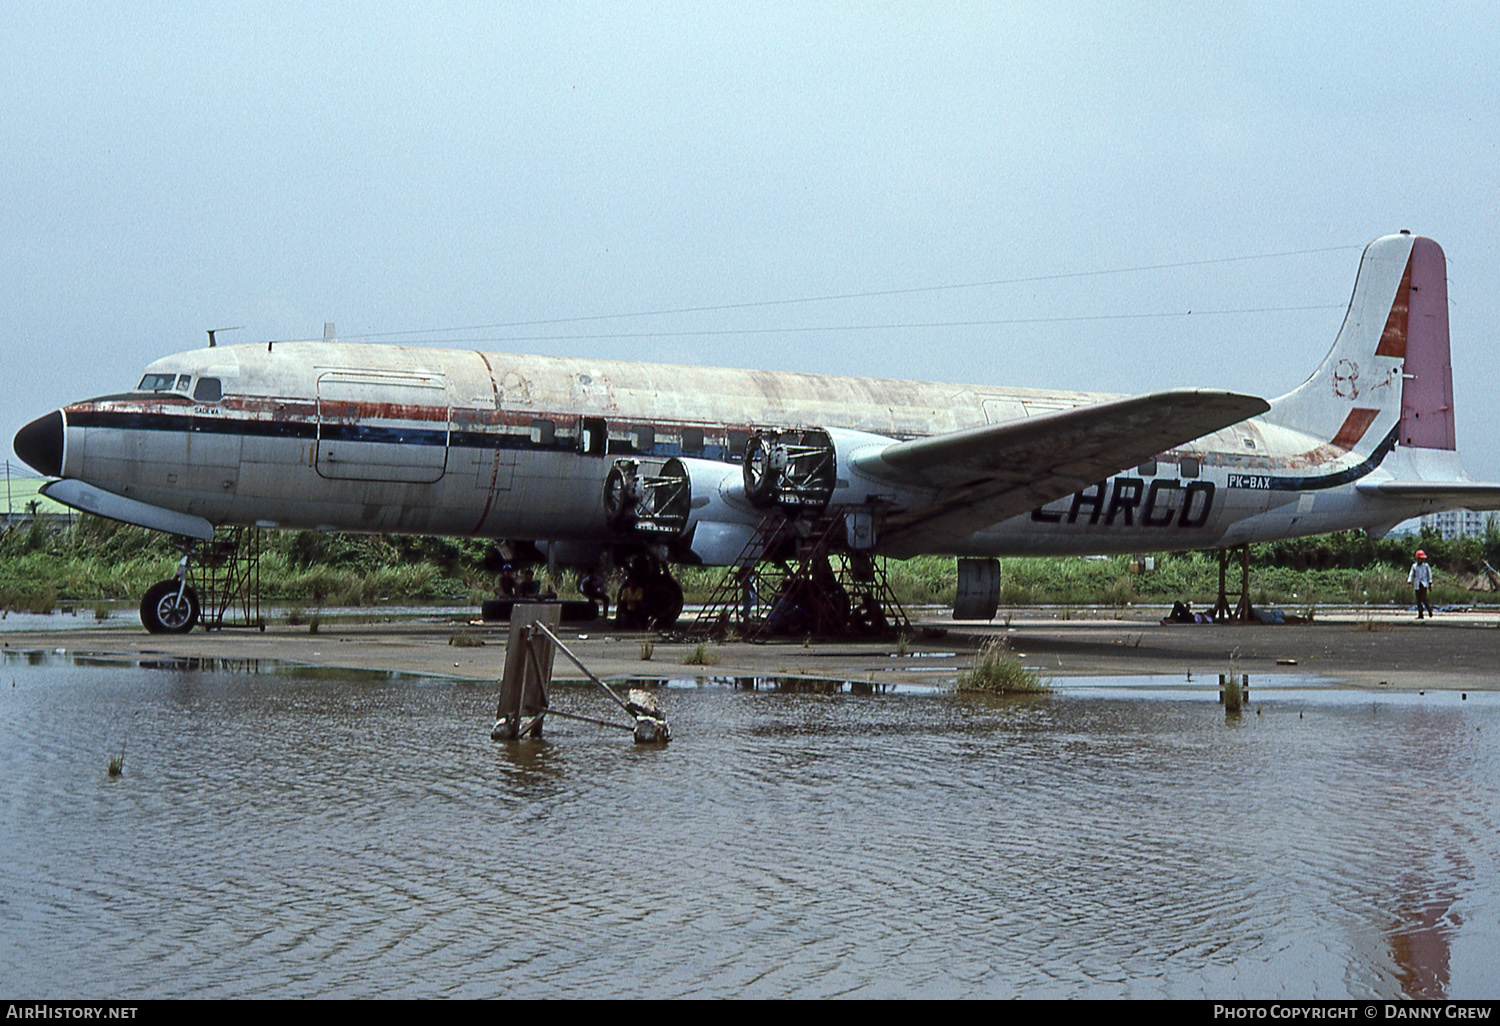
[[712, 509]]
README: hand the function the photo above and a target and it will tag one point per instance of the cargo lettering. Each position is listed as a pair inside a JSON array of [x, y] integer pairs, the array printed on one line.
[[1162, 503]]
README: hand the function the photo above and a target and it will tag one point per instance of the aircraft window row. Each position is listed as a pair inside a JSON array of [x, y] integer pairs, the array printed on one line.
[[1189, 466], [593, 437]]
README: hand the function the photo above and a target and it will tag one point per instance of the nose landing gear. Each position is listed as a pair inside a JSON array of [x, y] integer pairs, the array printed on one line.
[[170, 606]]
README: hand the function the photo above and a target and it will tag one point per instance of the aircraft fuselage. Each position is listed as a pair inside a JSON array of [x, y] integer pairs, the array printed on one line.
[[385, 439]]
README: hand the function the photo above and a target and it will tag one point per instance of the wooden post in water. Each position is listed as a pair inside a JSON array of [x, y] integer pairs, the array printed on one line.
[[528, 671]]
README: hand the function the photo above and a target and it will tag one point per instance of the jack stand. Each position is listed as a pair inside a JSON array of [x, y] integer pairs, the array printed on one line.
[[1222, 611]]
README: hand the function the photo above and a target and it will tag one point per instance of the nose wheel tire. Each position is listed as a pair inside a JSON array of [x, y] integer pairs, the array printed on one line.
[[163, 611]]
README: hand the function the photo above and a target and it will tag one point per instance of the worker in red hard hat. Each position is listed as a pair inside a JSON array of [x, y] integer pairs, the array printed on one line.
[[1421, 580]]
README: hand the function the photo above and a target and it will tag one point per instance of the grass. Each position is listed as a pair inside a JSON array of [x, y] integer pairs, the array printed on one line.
[[96, 560], [462, 640], [699, 655], [996, 671], [1234, 695]]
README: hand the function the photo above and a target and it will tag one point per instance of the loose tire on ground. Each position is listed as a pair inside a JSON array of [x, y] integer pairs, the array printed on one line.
[[162, 612]]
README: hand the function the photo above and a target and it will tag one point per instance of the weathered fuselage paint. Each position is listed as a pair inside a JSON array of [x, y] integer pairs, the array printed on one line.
[[423, 441]]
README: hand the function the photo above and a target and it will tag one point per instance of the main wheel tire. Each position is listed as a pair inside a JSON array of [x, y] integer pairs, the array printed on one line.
[[664, 602], [163, 612]]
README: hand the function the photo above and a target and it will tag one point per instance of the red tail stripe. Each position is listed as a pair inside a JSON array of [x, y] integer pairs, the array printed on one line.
[[1393, 339], [1354, 427]]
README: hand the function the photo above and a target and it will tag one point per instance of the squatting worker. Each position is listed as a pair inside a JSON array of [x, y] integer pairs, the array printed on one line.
[[1421, 579]]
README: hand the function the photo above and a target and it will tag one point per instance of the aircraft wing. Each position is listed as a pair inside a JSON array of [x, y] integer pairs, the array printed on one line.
[[1473, 495], [987, 474]]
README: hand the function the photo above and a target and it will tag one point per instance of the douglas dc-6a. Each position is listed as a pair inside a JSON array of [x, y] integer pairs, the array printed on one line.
[[606, 459]]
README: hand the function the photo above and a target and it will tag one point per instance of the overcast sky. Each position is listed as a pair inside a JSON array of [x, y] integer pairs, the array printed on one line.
[[170, 168]]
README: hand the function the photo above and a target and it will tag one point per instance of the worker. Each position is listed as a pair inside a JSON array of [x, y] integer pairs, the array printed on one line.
[[1421, 579]]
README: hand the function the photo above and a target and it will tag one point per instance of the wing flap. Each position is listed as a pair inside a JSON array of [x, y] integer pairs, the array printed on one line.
[[984, 475]]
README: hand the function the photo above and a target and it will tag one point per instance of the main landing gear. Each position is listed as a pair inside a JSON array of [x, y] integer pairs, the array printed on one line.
[[171, 606], [650, 598]]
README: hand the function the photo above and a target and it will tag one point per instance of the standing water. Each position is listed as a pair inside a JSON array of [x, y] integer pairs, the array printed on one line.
[[280, 832]]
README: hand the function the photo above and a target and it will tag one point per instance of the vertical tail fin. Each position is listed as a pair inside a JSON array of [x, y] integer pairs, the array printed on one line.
[[1389, 366]]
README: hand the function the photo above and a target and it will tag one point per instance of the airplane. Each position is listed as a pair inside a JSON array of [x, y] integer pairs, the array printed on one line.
[[599, 459]]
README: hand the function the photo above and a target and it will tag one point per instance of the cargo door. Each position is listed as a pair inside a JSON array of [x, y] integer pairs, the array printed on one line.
[[376, 425]]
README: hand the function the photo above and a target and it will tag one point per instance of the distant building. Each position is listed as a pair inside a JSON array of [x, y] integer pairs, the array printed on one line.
[[1458, 523], [22, 495]]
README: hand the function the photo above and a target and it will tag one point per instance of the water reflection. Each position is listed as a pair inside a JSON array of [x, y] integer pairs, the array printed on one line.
[[288, 833]]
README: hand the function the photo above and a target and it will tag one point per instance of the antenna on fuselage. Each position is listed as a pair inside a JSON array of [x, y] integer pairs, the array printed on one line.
[[329, 334], [211, 342]]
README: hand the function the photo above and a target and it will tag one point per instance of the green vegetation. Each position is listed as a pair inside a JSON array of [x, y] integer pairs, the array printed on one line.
[[96, 560], [996, 671], [699, 655]]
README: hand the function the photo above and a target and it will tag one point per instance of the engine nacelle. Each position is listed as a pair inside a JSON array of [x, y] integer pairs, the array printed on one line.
[[856, 487], [722, 520], [712, 509]]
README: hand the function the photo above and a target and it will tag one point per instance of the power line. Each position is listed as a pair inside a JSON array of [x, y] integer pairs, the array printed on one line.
[[836, 297], [805, 329]]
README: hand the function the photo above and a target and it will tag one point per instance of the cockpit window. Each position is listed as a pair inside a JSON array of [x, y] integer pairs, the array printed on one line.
[[157, 383], [166, 383], [208, 391]]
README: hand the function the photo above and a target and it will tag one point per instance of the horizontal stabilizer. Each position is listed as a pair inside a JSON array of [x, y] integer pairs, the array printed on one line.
[[1473, 495], [128, 511], [987, 474]]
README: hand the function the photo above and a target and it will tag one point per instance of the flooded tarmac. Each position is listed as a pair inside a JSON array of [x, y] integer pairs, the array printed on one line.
[[287, 832]]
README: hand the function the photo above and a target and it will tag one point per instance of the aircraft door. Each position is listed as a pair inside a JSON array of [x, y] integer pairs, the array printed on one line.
[[376, 425]]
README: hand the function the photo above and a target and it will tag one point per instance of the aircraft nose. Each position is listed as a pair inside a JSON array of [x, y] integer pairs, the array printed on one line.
[[40, 444]]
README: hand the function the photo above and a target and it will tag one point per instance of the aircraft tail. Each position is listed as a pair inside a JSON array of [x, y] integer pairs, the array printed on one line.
[[1388, 378]]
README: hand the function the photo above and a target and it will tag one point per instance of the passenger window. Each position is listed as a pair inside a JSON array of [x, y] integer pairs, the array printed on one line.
[[645, 437], [1188, 467], [208, 390], [692, 439], [542, 432], [1147, 469], [737, 442]]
